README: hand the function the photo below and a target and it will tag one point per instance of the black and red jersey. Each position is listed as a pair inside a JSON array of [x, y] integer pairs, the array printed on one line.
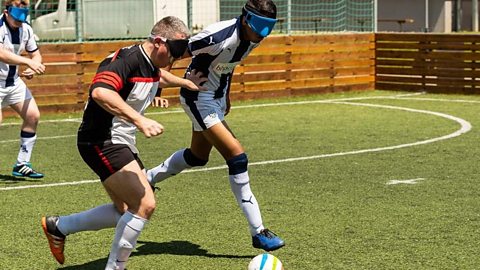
[[131, 73]]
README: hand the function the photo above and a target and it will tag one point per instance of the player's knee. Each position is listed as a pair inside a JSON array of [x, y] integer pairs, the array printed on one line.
[[147, 208], [238, 164], [32, 119], [192, 160], [121, 207]]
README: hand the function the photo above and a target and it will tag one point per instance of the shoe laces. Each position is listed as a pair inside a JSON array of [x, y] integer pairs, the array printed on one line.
[[268, 233]]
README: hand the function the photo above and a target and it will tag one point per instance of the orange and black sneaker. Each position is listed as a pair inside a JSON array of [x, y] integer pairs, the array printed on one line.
[[55, 238]]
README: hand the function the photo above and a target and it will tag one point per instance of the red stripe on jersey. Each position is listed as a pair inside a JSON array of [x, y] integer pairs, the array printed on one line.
[[141, 79], [110, 78], [115, 55], [104, 159]]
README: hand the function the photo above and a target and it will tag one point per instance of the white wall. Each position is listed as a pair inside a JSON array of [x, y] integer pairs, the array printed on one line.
[[205, 12], [165, 8], [440, 16]]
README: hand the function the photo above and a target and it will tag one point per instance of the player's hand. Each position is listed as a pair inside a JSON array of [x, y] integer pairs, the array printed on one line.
[[27, 73], [150, 128], [160, 102], [197, 80], [36, 67]]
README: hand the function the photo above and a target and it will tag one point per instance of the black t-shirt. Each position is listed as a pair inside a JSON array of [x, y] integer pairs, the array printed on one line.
[[131, 73]]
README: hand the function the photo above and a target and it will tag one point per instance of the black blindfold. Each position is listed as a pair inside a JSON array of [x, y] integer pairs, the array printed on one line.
[[177, 47]]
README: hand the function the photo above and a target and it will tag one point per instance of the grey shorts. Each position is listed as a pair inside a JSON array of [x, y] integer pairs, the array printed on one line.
[[204, 114]]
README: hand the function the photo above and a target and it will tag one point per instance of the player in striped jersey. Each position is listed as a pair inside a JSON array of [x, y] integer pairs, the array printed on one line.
[[16, 36], [216, 51]]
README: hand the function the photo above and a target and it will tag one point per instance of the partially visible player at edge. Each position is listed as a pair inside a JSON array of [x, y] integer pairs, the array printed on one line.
[[216, 51], [124, 86], [16, 36]]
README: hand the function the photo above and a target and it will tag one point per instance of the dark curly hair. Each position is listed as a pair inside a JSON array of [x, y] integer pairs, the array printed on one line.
[[264, 8]]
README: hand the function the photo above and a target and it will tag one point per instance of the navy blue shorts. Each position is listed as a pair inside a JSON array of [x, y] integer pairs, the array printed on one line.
[[106, 159]]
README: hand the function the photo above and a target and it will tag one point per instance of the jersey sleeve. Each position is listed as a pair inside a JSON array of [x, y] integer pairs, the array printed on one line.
[[112, 74], [205, 42], [31, 44], [2, 35]]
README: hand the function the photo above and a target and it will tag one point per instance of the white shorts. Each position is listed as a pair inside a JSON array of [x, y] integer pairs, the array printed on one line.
[[204, 114], [14, 94]]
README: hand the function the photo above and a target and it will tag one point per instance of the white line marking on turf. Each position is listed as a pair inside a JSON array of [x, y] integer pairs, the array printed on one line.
[[465, 127], [78, 120], [235, 107], [65, 120], [407, 181], [442, 100], [74, 183], [42, 138]]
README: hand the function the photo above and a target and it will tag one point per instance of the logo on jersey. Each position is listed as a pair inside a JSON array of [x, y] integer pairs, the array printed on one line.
[[211, 42], [225, 68]]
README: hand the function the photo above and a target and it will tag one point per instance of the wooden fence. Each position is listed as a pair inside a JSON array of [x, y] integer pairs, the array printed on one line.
[[281, 65], [439, 63], [293, 65], [69, 71]]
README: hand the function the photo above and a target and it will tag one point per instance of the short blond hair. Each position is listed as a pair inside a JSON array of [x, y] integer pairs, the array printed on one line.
[[15, 2], [170, 26]]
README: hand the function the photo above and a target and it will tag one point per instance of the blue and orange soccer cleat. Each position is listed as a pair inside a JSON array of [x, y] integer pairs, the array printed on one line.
[[267, 240], [25, 170]]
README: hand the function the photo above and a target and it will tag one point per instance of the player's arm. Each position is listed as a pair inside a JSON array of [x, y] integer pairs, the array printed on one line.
[[8, 57], [193, 80], [105, 88], [35, 56], [113, 103]]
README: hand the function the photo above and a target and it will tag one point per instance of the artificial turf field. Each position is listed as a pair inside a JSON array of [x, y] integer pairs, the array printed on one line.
[[361, 180]]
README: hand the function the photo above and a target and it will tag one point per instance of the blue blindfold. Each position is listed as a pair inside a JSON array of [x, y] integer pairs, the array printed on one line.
[[18, 14], [263, 26]]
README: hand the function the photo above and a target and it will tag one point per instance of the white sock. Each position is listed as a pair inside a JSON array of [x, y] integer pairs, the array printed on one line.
[[246, 200], [101, 217], [127, 232], [170, 167], [27, 141]]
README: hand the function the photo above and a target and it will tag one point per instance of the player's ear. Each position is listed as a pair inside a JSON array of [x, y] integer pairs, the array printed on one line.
[[244, 21], [157, 41]]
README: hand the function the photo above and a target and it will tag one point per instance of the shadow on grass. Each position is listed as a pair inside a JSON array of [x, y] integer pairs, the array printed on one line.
[[181, 248], [10, 179]]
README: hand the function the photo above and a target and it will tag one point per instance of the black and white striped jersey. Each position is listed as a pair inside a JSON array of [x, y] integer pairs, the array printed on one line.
[[216, 51], [16, 41], [131, 73]]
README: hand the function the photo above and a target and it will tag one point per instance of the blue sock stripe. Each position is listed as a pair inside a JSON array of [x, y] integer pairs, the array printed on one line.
[[26, 134], [192, 160], [238, 164]]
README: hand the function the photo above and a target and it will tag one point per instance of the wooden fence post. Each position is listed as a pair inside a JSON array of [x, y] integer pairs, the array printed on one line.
[[81, 97], [288, 62]]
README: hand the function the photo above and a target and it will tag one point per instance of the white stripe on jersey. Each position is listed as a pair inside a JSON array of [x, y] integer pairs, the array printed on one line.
[[220, 48]]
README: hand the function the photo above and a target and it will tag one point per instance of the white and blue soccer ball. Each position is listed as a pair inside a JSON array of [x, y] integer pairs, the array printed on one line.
[[265, 261]]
